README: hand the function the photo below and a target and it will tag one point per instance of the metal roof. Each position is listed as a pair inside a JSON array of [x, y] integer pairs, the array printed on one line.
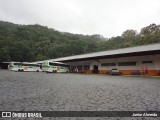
[[137, 49]]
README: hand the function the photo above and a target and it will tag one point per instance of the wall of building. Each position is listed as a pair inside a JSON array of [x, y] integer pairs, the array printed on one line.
[[157, 65], [150, 64]]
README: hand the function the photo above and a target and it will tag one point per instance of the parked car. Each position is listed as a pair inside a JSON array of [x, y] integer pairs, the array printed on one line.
[[114, 71]]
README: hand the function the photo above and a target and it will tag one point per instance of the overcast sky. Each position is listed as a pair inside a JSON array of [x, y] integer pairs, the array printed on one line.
[[106, 17]]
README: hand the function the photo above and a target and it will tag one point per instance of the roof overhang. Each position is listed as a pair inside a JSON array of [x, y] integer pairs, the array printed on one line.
[[114, 56], [123, 52]]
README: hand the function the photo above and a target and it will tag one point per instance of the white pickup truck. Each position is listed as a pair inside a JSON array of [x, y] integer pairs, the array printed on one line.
[[114, 71]]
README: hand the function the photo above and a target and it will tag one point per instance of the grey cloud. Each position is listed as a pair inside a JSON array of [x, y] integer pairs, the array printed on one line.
[[106, 17]]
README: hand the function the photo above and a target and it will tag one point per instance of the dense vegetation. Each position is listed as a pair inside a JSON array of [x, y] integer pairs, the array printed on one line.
[[36, 42]]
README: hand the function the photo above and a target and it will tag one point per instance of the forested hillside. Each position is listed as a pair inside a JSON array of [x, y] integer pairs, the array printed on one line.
[[36, 42]]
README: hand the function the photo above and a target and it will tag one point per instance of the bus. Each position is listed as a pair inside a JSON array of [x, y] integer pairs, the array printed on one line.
[[55, 67], [18, 66]]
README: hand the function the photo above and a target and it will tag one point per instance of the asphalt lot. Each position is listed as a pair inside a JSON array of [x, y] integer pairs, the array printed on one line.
[[25, 91]]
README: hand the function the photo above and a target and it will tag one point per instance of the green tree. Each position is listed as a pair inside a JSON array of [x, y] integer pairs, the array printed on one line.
[[36, 42], [129, 33], [40, 57], [4, 54], [150, 30]]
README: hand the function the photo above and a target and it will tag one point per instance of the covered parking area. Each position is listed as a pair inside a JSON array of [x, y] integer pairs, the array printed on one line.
[[4, 65], [127, 60]]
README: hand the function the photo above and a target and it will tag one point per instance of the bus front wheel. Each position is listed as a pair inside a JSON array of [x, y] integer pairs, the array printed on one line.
[[54, 71], [20, 70]]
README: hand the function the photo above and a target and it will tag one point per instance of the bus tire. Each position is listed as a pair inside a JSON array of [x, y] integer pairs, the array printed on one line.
[[55, 71], [19, 70], [22, 70], [37, 71]]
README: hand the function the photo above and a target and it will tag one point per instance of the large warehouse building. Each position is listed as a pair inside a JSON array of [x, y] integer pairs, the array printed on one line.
[[127, 60]]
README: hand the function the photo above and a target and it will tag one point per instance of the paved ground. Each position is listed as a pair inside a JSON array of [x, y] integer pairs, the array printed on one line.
[[25, 91]]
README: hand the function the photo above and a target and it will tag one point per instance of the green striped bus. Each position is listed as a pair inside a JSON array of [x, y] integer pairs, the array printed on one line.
[[55, 67], [18, 66]]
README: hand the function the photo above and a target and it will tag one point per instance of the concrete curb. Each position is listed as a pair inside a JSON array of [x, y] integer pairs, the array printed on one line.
[[119, 75], [141, 76]]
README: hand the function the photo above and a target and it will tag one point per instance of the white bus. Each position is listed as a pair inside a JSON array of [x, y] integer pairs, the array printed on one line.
[[55, 67], [18, 66]]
